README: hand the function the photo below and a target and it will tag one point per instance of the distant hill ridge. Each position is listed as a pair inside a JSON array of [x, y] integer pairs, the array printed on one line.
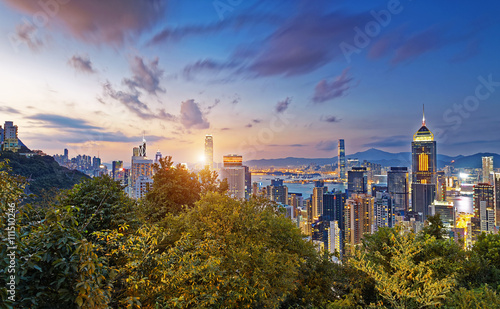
[[43, 173], [381, 157]]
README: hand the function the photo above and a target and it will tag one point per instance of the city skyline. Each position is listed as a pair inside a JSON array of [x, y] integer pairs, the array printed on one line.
[[266, 80]]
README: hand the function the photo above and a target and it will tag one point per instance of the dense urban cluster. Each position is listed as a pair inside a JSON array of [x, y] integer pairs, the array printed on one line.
[[159, 235]]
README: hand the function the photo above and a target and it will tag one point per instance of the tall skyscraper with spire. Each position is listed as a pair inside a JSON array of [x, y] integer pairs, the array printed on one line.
[[341, 158], [424, 168], [209, 151]]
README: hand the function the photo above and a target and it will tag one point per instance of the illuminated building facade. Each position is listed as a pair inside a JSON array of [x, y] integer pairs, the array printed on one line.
[[341, 161], [487, 169], [484, 208], [356, 181], [496, 183], [117, 172], [277, 192], [358, 215], [397, 187], [317, 199], [209, 151], [234, 172], [424, 167]]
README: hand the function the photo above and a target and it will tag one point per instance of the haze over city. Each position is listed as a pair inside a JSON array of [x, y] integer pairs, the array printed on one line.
[[266, 79]]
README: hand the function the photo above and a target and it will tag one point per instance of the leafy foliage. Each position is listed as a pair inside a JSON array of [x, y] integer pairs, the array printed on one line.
[[401, 280], [101, 205], [174, 187]]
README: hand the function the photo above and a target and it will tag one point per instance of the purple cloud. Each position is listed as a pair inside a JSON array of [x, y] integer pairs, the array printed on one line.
[[299, 47], [330, 119], [192, 117], [131, 100], [27, 34], [94, 21], [82, 64], [326, 145], [325, 91], [146, 77], [281, 106]]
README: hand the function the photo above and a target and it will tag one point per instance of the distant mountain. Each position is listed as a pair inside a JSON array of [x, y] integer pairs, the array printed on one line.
[[372, 155], [476, 160]]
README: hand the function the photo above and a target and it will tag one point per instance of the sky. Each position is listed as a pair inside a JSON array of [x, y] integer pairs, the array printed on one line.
[[268, 79]]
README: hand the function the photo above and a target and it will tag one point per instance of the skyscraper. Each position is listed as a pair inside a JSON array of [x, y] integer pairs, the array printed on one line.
[[234, 172], [277, 192], [487, 168], [117, 172], [341, 160], [10, 139], [358, 216], [209, 151], [484, 208], [397, 187], [317, 199], [141, 171], [424, 160], [496, 183], [356, 181]]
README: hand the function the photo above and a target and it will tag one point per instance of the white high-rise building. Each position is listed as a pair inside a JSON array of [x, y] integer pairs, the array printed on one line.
[[487, 169], [234, 172], [10, 139], [141, 171]]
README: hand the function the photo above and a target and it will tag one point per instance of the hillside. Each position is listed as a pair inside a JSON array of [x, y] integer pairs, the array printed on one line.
[[42, 172]]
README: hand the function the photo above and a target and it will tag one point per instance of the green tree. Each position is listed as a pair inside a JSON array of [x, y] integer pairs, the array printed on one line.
[[101, 203], [174, 188], [480, 298], [209, 182], [11, 193], [221, 253], [434, 227], [59, 268], [399, 279]]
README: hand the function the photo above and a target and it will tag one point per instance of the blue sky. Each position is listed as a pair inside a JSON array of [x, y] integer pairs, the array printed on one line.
[[267, 79]]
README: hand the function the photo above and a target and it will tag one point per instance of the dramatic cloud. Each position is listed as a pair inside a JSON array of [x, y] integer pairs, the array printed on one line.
[[325, 91], [169, 34], [95, 21], [330, 119], [82, 64], [146, 77], [57, 121], [402, 46], [256, 120], [133, 103], [326, 145], [9, 110], [298, 47], [418, 44], [281, 106], [191, 116], [204, 66], [27, 34]]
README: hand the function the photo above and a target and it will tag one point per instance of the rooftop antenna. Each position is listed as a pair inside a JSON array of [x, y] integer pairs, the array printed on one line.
[[423, 114]]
